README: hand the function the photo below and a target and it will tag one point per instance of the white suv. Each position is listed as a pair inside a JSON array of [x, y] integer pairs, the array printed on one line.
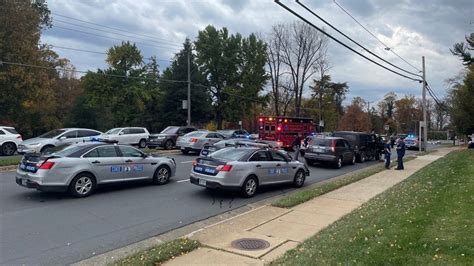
[[128, 135], [9, 140]]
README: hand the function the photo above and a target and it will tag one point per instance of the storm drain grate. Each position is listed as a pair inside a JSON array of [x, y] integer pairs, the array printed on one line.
[[250, 244]]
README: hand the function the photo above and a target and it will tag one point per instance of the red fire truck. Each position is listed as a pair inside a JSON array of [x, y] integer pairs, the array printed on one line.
[[284, 129]]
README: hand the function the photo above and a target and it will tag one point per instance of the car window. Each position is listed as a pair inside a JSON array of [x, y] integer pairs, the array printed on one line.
[[220, 136], [230, 154], [137, 131], [1, 132], [52, 133], [130, 152], [169, 130], [70, 135], [87, 133], [11, 130], [181, 132], [259, 156], [113, 131], [276, 156], [321, 142], [211, 135], [189, 129], [195, 134], [347, 145], [340, 144], [126, 131]]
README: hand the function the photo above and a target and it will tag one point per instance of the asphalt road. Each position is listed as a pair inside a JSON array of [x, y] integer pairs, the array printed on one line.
[[54, 228]]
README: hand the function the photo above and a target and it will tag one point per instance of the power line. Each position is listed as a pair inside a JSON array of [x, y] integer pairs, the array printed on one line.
[[352, 40], [108, 37], [120, 34], [341, 43], [96, 52], [86, 72], [117, 29], [386, 47]]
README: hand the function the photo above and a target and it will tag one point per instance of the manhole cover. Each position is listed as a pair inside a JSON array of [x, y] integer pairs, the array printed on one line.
[[250, 244]]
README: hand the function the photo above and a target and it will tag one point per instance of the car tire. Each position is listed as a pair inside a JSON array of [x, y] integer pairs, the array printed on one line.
[[362, 157], [353, 160], [142, 144], [82, 185], [338, 163], [8, 149], [168, 145], [309, 161], [46, 148], [299, 179], [184, 151], [162, 175], [249, 187]]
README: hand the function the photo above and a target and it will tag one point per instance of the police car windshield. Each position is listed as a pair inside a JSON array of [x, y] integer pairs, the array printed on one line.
[[170, 130], [113, 131], [229, 154], [52, 133]]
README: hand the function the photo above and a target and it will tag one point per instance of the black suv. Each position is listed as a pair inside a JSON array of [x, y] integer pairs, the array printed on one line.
[[334, 150], [167, 138], [366, 146]]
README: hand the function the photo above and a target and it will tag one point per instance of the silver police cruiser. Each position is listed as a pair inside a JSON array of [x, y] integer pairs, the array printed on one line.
[[80, 168], [244, 169]]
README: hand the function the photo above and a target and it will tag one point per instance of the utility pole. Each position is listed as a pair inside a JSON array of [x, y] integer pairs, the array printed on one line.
[[368, 113], [425, 129], [189, 87]]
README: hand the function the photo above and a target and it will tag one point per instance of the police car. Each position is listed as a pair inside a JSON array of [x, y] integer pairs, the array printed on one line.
[[80, 168], [245, 169]]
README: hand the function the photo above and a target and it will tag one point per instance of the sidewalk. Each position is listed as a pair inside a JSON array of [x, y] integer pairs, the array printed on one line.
[[284, 229]]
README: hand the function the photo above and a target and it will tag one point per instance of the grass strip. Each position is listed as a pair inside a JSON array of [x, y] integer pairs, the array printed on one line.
[[160, 253], [306, 195], [11, 160], [426, 219]]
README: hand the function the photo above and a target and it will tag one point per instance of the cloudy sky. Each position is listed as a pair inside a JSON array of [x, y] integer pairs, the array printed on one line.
[[411, 28]]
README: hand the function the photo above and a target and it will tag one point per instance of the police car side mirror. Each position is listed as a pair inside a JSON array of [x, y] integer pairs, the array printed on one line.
[[62, 138]]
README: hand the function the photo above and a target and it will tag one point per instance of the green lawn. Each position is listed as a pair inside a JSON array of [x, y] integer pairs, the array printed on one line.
[[10, 160], [160, 253], [427, 219], [305, 195]]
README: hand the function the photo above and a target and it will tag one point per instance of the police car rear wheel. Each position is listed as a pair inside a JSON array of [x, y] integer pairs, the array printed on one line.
[[82, 185], [162, 175], [299, 178], [249, 188]]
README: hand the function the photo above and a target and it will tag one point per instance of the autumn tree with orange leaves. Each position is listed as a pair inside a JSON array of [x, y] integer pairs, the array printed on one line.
[[355, 119]]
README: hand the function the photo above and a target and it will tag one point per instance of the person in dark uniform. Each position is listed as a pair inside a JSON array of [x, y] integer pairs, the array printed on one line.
[[296, 145], [388, 153], [400, 153]]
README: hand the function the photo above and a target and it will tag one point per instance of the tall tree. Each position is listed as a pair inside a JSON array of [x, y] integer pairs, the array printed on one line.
[[218, 56], [355, 119], [171, 111]]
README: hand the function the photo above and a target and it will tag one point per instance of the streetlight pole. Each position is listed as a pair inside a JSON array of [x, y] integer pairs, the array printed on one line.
[[189, 87], [425, 129]]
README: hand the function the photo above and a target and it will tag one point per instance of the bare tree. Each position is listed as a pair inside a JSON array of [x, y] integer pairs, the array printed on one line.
[[294, 50]]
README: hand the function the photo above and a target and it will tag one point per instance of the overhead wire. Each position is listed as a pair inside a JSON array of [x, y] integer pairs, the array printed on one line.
[[353, 41], [108, 37], [111, 32], [116, 29], [343, 44], [386, 47]]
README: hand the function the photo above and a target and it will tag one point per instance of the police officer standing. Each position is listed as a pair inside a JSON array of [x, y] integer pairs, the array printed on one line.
[[400, 153], [296, 145], [388, 153]]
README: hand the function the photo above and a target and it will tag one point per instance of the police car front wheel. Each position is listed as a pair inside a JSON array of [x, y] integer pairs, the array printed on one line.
[[299, 178], [162, 175]]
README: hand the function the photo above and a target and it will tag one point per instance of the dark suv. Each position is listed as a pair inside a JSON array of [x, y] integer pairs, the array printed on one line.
[[334, 150], [366, 146], [167, 137]]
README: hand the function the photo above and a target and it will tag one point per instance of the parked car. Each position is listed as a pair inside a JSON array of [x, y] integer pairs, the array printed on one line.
[[246, 169], [234, 133], [195, 141], [366, 146], [80, 168], [9, 140], [411, 142], [127, 135], [208, 149], [333, 150], [168, 137], [57, 137]]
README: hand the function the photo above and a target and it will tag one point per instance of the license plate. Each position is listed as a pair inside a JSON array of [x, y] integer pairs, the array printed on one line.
[[24, 182], [202, 182]]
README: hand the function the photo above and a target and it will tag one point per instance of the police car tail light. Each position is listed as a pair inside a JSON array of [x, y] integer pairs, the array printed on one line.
[[224, 168], [47, 165], [194, 163]]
